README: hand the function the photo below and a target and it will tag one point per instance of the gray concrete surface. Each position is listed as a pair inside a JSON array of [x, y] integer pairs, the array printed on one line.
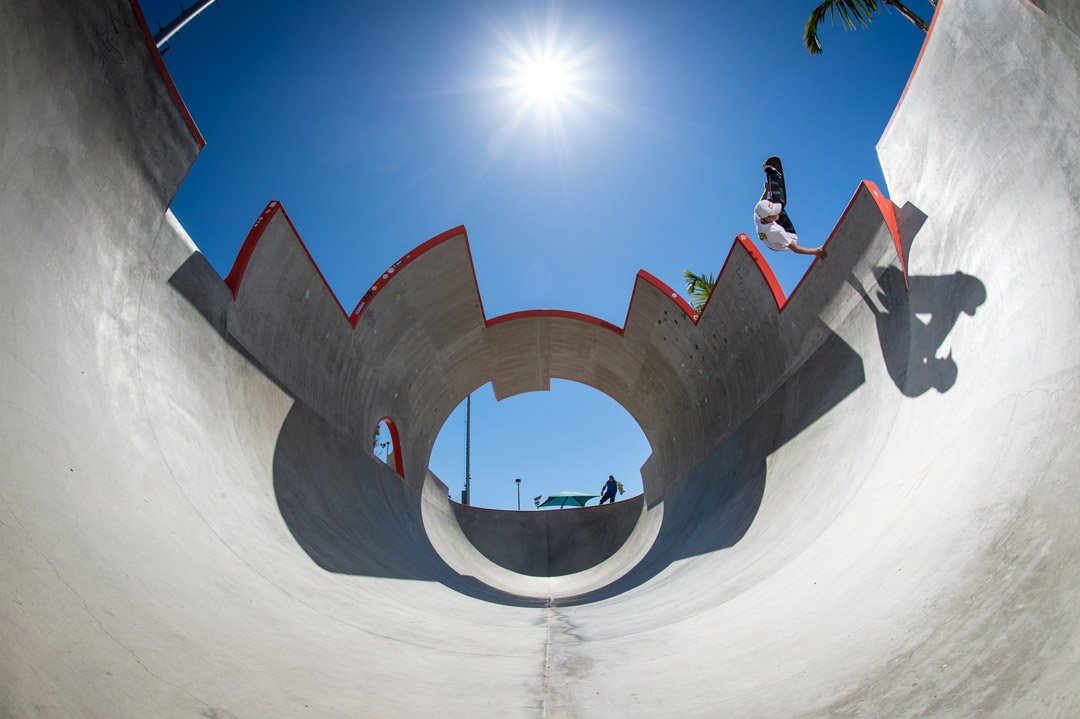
[[861, 505], [551, 542]]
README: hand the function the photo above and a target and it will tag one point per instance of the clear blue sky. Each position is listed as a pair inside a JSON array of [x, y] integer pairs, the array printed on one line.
[[381, 125]]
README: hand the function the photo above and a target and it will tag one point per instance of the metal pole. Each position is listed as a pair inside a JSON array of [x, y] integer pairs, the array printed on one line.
[[518, 481], [465, 496], [163, 35]]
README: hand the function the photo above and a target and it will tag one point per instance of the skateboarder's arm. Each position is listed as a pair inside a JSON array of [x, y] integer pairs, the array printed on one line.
[[816, 251]]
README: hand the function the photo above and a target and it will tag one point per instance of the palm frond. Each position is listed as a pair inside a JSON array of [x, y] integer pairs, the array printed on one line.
[[850, 12], [699, 287]]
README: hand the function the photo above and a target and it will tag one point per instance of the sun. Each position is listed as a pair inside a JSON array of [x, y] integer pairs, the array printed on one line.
[[544, 85], [546, 81]]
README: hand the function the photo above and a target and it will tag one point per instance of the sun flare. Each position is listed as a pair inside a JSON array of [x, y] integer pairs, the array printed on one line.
[[546, 81], [546, 87]]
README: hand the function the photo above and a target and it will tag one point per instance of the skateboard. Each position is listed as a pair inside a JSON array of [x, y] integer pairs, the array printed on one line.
[[775, 189]]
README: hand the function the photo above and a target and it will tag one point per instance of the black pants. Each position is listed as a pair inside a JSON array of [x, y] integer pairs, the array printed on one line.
[[777, 192], [608, 496]]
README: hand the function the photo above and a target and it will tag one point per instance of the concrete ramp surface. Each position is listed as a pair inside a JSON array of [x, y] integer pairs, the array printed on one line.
[[862, 500]]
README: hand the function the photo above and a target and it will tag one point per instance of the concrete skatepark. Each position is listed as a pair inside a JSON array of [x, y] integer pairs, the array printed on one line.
[[861, 500]]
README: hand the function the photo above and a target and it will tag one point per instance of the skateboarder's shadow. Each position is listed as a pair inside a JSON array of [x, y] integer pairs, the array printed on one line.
[[913, 322]]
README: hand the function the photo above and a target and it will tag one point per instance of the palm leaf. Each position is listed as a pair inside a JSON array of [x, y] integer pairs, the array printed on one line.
[[699, 287], [851, 13]]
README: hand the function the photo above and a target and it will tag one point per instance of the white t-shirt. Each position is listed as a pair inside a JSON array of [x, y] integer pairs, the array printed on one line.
[[773, 235]]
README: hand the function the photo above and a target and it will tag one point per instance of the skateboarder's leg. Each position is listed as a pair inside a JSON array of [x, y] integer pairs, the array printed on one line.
[[775, 190], [785, 222]]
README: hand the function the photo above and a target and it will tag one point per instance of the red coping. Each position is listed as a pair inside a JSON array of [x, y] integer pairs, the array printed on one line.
[[385, 277], [236, 275], [165, 74], [887, 212], [915, 67], [399, 462], [664, 290], [240, 265], [553, 313], [763, 267]]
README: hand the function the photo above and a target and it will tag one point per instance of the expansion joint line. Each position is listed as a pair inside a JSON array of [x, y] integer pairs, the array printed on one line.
[[549, 608]]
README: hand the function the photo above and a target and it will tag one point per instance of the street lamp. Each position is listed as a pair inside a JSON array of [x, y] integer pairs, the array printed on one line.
[[518, 482]]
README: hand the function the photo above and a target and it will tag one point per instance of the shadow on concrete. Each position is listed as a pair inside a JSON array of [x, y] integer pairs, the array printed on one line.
[[713, 507], [909, 344], [909, 220], [550, 543], [351, 513], [200, 284], [348, 511]]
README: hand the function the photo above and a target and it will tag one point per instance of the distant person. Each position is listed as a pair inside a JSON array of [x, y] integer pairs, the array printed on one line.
[[609, 490], [774, 227]]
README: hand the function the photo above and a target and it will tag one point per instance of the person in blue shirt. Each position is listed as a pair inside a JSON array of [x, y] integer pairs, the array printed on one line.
[[609, 490]]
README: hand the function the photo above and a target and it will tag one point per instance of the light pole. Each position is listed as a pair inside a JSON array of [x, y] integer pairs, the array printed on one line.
[[518, 482], [466, 496]]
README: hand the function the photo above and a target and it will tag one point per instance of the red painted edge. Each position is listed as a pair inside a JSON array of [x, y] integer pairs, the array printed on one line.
[[388, 275], [384, 280], [236, 274], [399, 463], [755, 254], [763, 267], [674, 296], [165, 74], [888, 211], [554, 313], [915, 67]]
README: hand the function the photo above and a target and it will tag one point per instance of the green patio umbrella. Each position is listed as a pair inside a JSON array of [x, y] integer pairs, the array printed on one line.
[[574, 499]]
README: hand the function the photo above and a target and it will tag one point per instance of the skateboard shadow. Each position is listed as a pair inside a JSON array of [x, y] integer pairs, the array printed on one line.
[[910, 344]]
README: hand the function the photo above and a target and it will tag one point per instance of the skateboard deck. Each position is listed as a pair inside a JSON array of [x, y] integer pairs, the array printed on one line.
[[774, 173], [776, 190]]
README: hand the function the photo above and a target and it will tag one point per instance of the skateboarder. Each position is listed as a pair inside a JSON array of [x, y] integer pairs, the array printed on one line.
[[609, 490], [774, 227]]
